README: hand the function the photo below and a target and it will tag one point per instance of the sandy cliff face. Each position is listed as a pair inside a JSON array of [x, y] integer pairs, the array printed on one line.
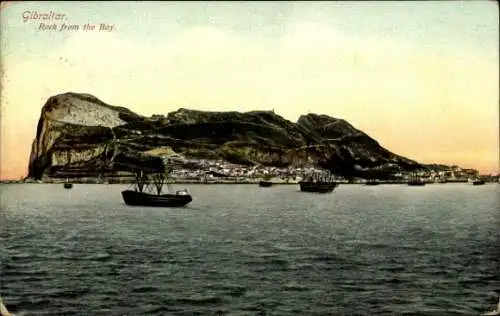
[[79, 135], [81, 109], [73, 130]]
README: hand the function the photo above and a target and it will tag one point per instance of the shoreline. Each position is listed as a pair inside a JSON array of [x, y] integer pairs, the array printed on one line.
[[183, 182]]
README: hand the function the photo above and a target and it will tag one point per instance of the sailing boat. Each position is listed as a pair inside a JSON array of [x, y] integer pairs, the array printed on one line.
[[3, 310], [415, 180], [155, 197], [318, 183]]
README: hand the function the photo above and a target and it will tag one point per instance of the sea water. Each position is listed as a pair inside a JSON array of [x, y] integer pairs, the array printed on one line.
[[247, 250]]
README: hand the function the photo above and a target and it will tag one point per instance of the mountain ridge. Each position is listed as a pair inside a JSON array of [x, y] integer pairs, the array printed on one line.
[[79, 135]]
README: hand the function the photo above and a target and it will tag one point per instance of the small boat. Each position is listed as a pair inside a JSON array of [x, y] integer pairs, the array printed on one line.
[[317, 186], [415, 181], [67, 184], [372, 182], [318, 183], [154, 184], [478, 182], [265, 183]]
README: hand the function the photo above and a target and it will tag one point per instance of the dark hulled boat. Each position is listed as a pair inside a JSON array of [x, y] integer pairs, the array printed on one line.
[[265, 183], [163, 200], [318, 184], [372, 182], [67, 184], [478, 182], [416, 183], [154, 197], [415, 180]]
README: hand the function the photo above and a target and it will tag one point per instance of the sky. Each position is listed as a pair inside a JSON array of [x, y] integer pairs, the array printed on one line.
[[422, 78]]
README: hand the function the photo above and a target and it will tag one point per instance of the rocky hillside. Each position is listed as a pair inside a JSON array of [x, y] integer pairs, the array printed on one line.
[[78, 135]]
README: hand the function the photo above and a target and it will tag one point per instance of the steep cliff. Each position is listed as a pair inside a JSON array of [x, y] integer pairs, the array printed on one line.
[[80, 136], [75, 137]]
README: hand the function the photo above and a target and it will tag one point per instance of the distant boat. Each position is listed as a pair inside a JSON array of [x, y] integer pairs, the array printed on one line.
[[477, 182], [67, 184], [265, 183], [372, 182], [415, 181], [155, 197], [318, 184]]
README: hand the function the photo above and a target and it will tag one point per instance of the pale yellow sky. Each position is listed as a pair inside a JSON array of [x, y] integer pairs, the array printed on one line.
[[420, 77]]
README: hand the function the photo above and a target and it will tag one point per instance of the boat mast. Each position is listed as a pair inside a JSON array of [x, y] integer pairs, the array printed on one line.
[[139, 181], [159, 180]]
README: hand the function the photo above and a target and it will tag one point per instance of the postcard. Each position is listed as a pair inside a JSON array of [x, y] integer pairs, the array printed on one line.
[[249, 158]]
